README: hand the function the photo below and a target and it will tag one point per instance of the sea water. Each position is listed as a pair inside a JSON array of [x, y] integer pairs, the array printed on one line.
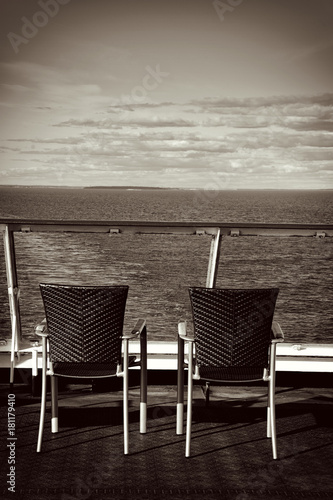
[[160, 268]]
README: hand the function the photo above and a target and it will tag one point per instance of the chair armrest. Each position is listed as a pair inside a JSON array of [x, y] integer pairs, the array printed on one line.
[[140, 324], [41, 329], [137, 330], [277, 333], [183, 333]]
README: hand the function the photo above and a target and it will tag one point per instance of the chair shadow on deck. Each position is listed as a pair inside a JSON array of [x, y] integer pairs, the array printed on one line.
[[295, 422], [229, 449]]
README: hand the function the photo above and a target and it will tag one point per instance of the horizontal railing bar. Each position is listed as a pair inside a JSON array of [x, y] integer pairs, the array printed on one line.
[[162, 355], [156, 227], [116, 228], [170, 348]]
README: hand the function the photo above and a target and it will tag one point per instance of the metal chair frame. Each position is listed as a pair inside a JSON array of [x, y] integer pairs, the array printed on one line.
[[122, 371], [269, 376]]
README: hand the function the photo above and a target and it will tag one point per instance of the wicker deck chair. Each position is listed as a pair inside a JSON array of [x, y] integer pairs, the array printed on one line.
[[235, 341], [83, 338]]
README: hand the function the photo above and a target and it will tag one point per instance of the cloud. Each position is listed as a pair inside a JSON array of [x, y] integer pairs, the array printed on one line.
[[118, 107], [217, 141], [136, 123], [325, 99], [311, 125]]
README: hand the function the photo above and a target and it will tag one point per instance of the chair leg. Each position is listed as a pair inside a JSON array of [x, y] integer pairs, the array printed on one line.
[[34, 371], [180, 419], [269, 423], [143, 417], [143, 382], [54, 404], [180, 388], [272, 418], [189, 400], [271, 430], [207, 393], [43, 400], [125, 398]]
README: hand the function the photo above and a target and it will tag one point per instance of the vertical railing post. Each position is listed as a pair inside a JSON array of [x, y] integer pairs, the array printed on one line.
[[214, 257], [13, 296]]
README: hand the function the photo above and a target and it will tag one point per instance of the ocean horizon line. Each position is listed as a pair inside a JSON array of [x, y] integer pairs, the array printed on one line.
[[158, 188]]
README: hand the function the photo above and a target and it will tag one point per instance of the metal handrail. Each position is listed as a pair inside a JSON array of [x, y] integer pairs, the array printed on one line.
[[157, 227]]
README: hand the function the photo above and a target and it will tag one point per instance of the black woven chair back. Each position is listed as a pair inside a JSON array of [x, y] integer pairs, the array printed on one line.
[[232, 327], [85, 323]]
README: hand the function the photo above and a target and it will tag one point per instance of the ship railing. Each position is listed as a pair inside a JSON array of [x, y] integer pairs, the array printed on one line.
[[161, 355]]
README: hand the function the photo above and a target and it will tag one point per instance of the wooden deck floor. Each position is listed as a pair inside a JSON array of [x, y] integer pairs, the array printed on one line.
[[231, 457]]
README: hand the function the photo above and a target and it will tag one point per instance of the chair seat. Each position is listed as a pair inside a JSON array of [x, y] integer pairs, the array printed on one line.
[[231, 373], [87, 370]]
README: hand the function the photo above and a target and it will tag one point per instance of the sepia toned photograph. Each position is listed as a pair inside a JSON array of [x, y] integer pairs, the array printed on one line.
[[166, 284]]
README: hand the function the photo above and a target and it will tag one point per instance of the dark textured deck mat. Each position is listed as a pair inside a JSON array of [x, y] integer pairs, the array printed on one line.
[[231, 457]]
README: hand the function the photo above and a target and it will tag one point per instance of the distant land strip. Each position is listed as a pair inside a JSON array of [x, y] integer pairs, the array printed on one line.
[[127, 187], [196, 189]]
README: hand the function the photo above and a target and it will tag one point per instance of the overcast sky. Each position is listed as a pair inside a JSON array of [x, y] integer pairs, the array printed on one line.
[[170, 93]]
